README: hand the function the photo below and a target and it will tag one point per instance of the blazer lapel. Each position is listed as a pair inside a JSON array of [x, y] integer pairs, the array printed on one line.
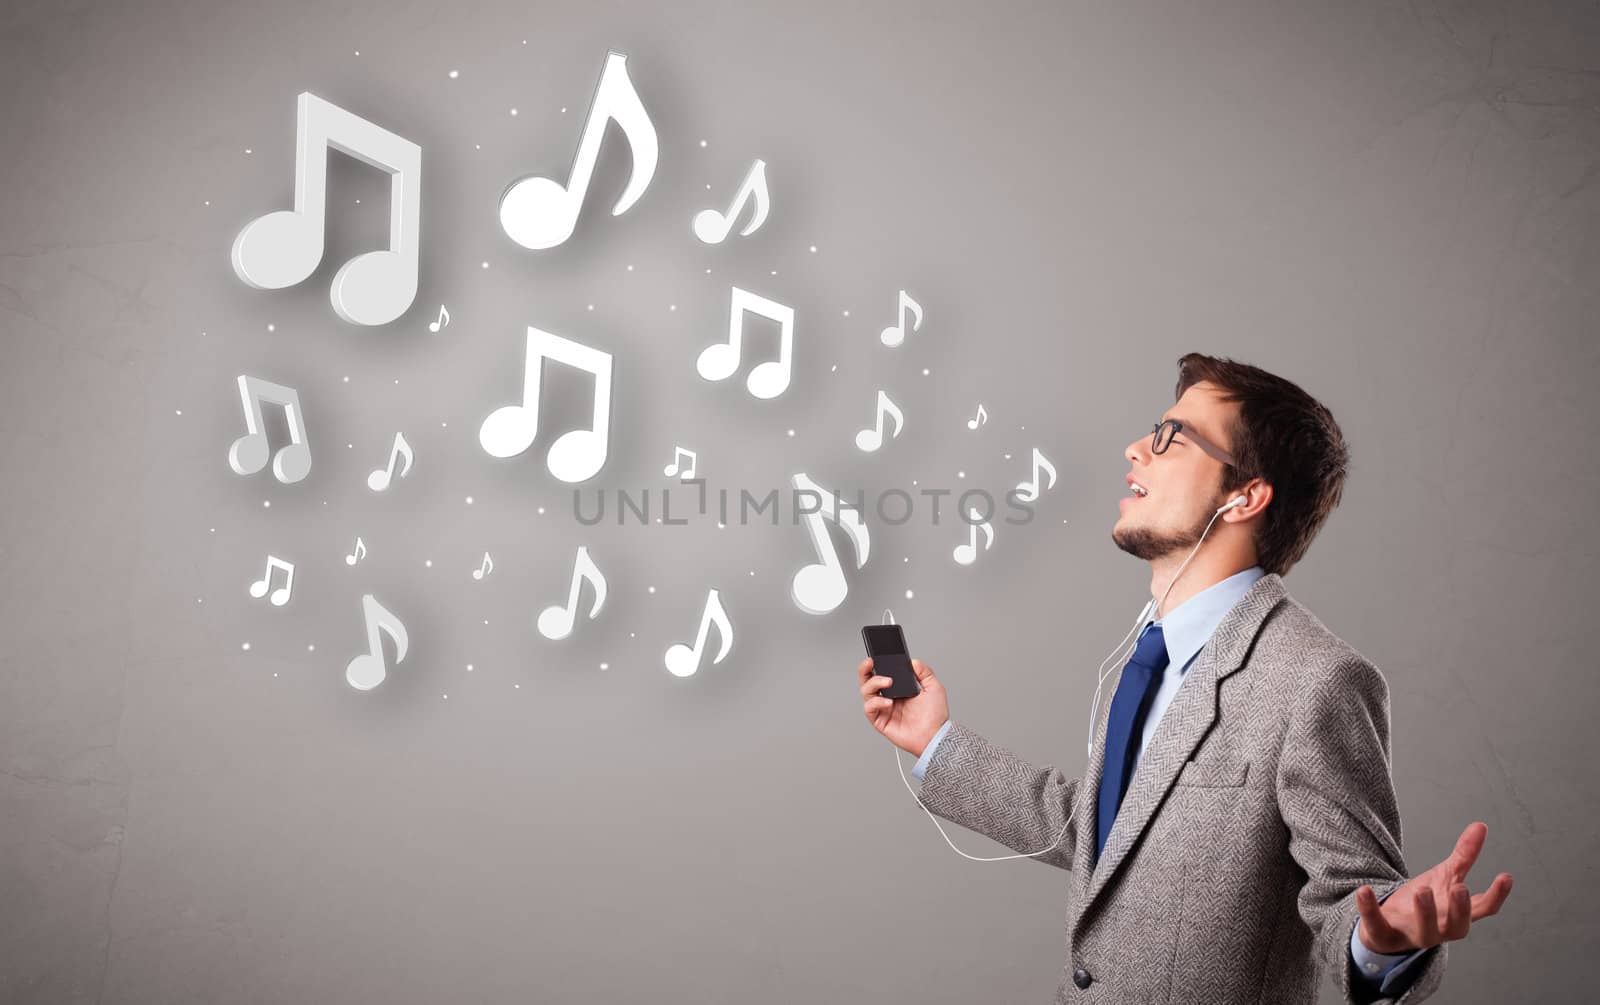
[[1185, 721]]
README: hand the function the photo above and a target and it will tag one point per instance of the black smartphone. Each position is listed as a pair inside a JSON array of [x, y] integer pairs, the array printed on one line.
[[886, 644]]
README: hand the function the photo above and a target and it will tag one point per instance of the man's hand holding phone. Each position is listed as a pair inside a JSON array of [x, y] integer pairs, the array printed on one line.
[[908, 723]]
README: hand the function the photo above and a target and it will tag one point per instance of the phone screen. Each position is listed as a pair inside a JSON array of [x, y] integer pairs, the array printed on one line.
[[886, 644]]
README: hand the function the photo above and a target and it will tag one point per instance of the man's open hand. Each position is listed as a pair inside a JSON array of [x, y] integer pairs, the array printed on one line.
[[1433, 907]]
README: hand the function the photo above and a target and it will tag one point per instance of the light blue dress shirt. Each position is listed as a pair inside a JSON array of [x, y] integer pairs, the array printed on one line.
[[1186, 629]]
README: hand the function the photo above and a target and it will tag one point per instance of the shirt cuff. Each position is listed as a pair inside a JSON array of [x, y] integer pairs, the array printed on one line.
[[921, 767], [1387, 968]]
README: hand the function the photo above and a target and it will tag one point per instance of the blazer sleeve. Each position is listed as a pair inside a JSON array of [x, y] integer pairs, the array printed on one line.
[[988, 789], [1337, 800]]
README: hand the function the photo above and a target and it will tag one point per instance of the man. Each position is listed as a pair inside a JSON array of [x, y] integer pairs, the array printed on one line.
[[1236, 829]]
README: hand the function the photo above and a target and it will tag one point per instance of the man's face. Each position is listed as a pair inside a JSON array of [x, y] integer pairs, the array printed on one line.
[[1185, 482]]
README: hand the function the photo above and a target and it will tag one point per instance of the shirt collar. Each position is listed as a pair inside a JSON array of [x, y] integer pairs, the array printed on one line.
[[1188, 627]]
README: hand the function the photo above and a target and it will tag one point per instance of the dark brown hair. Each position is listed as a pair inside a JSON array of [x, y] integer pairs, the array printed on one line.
[[1285, 437]]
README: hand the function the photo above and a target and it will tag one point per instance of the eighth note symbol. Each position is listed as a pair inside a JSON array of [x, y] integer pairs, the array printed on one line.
[[682, 660], [442, 322], [967, 553], [367, 671], [248, 454], [555, 622], [712, 226], [280, 596], [871, 439], [379, 479], [484, 569], [358, 554], [1028, 491], [979, 419], [540, 213], [896, 333]]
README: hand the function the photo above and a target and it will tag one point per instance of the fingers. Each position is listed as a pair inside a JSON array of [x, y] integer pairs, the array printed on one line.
[[1489, 901], [924, 672], [1458, 919], [1372, 920], [1427, 919], [1468, 845], [865, 669]]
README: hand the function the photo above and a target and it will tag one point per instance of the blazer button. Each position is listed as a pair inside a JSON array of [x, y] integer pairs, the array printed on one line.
[[1081, 978]]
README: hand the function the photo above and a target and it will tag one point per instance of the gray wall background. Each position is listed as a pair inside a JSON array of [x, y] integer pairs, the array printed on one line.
[[1395, 205]]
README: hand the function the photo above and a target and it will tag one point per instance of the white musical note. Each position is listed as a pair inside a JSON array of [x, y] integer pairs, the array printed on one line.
[[367, 671], [967, 553], [979, 419], [871, 439], [379, 479], [443, 321], [280, 596], [511, 429], [680, 453], [712, 226], [1028, 491], [283, 248], [821, 587], [896, 333], [556, 622], [719, 361], [682, 660], [888, 616], [249, 452], [538, 212], [357, 555], [486, 567]]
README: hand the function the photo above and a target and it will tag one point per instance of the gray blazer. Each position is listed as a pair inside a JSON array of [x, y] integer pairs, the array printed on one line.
[[1262, 801]]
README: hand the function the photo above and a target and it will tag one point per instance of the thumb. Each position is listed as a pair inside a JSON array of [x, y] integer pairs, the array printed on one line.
[[924, 672]]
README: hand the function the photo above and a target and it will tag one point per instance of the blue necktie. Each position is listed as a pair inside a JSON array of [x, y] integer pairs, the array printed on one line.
[[1135, 693]]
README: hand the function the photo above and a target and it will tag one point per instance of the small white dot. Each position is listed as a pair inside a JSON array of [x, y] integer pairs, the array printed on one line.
[[477, 146], [672, 307], [846, 313], [358, 52], [347, 380], [486, 265], [311, 647], [721, 525], [909, 594], [397, 380], [652, 589], [702, 142], [1008, 457], [180, 411], [835, 368], [961, 474], [454, 74], [541, 511], [591, 307], [774, 272], [708, 184], [630, 268], [428, 562], [752, 572], [605, 666], [469, 500], [350, 446], [213, 530], [245, 647], [924, 371], [199, 600], [791, 432], [274, 673], [358, 202], [208, 202], [905, 559], [513, 111], [563, 107], [246, 149], [633, 635], [813, 249], [266, 502], [708, 272], [913, 481], [272, 328], [444, 425], [517, 686], [469, 668], [486, 621], [447, 697]]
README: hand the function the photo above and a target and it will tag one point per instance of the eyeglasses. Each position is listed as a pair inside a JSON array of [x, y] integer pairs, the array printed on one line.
[[1163, 432]]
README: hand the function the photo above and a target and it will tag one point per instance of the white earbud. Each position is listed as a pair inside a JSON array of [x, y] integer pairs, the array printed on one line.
[[1235, 501]]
